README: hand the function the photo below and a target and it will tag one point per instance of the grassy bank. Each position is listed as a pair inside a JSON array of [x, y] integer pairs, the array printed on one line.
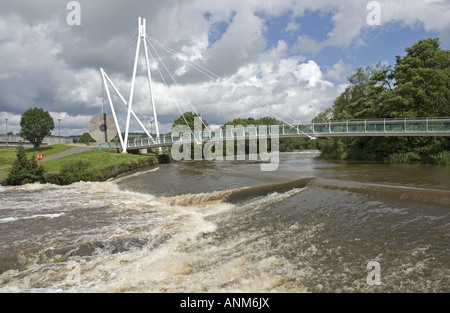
[[441, 158], [92, 165], [8, 155], [95, 165]]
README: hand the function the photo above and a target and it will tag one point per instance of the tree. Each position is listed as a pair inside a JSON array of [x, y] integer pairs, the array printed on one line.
[[86, 138], [419, 86], [24, 170], [362, 98], [36, 124], [422, 80], [189, 117]]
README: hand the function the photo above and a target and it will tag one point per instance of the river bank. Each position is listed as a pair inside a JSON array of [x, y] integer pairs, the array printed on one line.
[[83, 164], [226, 226]]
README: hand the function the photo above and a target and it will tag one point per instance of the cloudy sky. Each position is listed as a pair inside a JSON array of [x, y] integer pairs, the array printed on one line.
[[288, 58]]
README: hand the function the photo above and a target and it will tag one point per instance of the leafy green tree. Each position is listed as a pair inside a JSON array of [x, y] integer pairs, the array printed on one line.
[[285, 144], [267, 120], [86, 138], [323, 117], [189, 117], [24, 170], [419, 86], [36, 124], [362, 98], [422, 81]]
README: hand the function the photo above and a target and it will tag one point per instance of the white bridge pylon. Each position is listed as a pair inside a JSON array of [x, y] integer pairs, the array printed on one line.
[[129, 104]]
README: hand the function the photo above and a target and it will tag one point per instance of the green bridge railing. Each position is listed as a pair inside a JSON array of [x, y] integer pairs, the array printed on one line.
[[380, 127]]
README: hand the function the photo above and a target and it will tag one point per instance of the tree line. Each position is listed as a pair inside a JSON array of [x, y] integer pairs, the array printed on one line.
[[417, 86]]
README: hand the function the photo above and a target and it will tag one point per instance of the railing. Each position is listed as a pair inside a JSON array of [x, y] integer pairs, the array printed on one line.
[[388, 126], [380, 127]]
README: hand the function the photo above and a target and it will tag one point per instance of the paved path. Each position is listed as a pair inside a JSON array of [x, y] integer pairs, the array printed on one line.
[[77, 149]]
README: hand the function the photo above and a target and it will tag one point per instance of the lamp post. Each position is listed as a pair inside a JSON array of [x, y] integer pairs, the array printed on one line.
[[59, 136], [6, 137], [151, 124]]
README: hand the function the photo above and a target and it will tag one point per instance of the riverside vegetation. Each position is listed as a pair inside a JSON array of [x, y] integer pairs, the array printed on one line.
[[418, 86], [93, 165]]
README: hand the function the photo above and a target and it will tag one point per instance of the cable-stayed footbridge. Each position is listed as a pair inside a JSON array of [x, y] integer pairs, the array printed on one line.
[[373, 127]]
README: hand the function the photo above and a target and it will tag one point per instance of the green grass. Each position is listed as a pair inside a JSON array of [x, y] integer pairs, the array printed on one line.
[[97, 159], [441, 158], [404, 158], [8, 155], [94, 165]]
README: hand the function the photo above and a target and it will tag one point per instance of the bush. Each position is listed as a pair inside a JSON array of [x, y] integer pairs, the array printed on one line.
[[86, 138], [404, 158], [82, 170], [74, 171], [441, 158], [24, 171]]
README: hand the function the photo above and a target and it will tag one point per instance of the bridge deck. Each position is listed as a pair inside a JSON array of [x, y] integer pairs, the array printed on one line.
[[383, 127]]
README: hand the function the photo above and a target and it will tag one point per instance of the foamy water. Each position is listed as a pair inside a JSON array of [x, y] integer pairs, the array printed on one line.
[[105, 237], [170, 237]]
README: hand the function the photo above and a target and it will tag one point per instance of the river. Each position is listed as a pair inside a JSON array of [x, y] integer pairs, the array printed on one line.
[[225, 226]]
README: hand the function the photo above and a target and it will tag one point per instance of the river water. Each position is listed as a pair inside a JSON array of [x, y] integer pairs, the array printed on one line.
[[225, 226]]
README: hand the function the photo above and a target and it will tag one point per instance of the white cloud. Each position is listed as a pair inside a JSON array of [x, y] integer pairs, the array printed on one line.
[[350, 20], [46, 63], [339, 71]]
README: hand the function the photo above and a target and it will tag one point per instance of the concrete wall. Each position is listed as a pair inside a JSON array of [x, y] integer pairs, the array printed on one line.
[[14, 140]]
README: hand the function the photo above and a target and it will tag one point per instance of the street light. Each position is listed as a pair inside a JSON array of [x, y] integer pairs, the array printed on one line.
[[6, 137], [151, 124], [59, 136]]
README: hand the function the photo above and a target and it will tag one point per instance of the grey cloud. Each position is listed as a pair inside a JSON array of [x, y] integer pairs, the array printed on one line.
[[46, 62]]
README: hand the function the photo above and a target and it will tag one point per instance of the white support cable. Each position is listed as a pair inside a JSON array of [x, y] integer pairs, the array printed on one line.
[[112, 108], [165, 82], [176, 83], [126, 105], [155, 118], [118, 55], [217, 77], [202, 70], [133, 80], [103, 91]]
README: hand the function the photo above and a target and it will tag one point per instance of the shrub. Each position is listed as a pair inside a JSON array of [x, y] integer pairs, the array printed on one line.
[[86, 138], [404, 158], [73, 171], [441, 158], [24, 170]]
